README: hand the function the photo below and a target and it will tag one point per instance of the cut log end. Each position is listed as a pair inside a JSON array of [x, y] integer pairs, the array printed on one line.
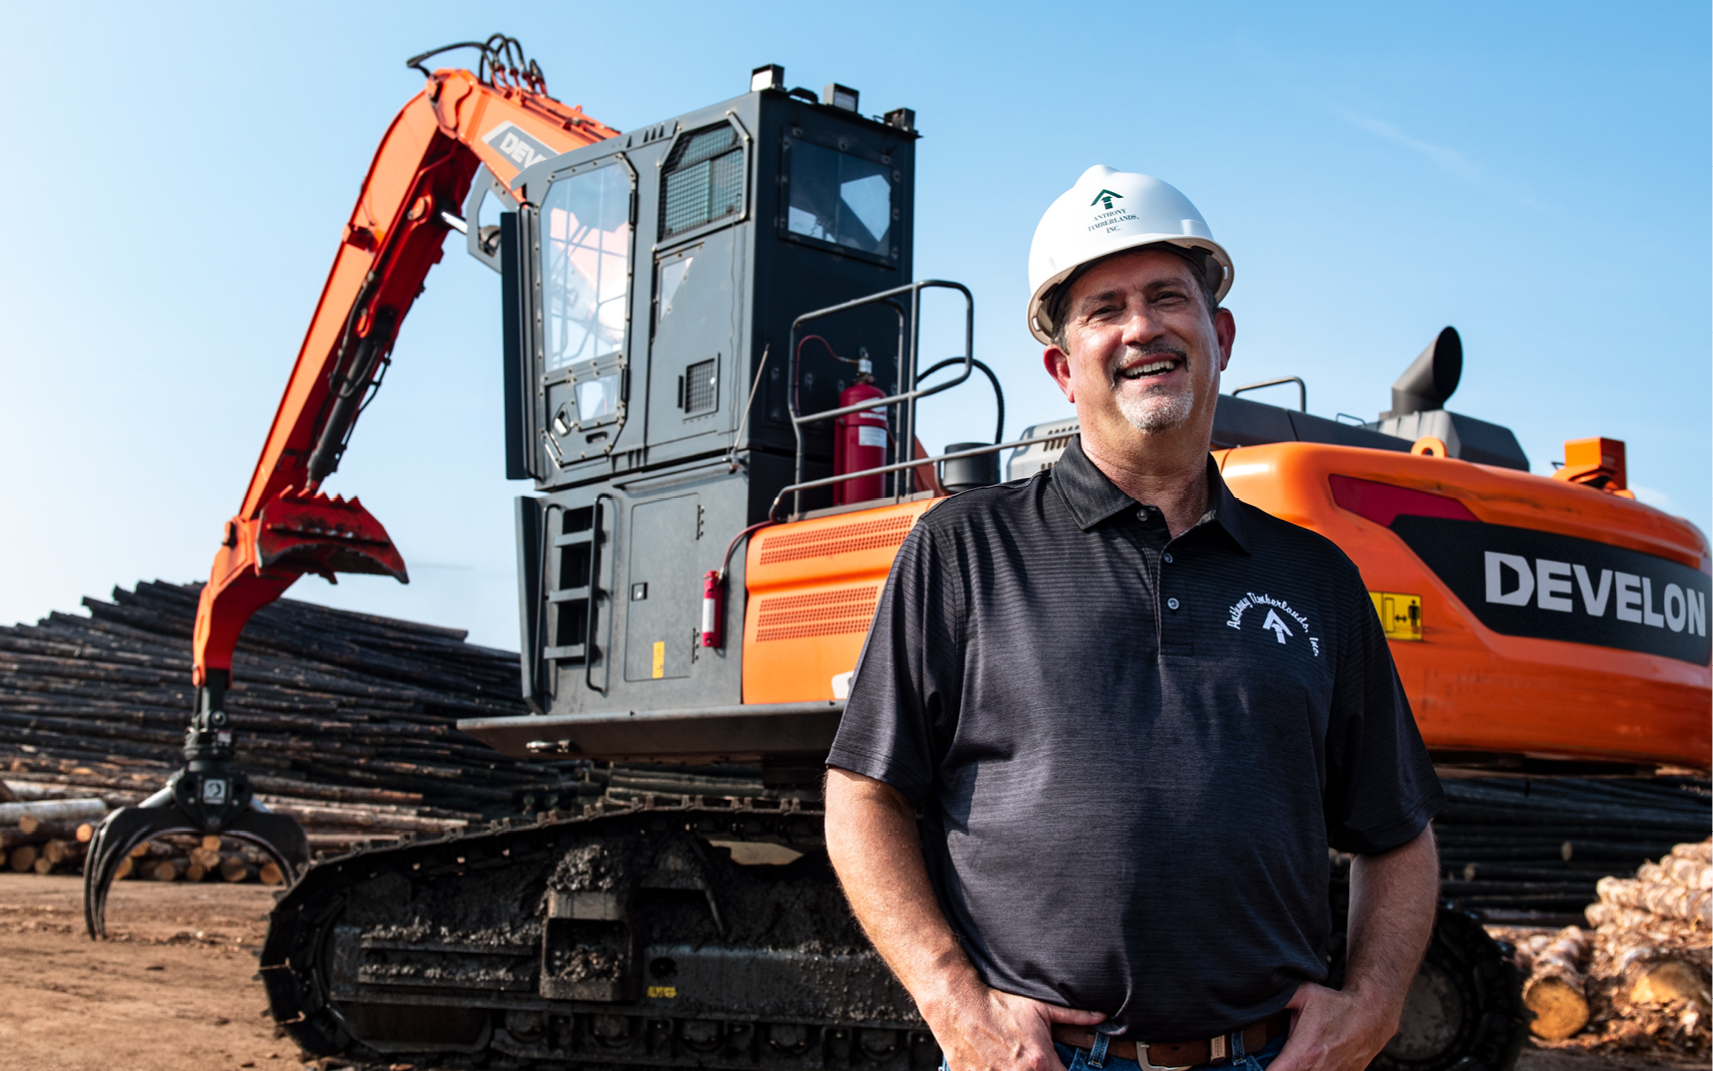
[[23, 858], [1559, 1008], [1669, 980], [270, 874], [63, 852]]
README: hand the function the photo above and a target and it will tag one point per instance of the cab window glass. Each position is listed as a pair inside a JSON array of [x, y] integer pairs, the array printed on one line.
[[597, 399], [585, 254], [840, 198]]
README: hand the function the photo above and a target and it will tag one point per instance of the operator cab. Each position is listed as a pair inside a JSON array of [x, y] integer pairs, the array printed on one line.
[[661, 389]]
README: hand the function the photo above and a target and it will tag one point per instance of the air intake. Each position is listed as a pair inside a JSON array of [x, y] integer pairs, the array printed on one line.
[[704, 180]]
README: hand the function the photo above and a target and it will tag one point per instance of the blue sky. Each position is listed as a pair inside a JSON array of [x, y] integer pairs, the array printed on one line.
[[1537, 175]]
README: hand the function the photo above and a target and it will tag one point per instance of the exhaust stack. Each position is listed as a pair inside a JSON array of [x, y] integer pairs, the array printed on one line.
[[1418, 410], [1431, 377]]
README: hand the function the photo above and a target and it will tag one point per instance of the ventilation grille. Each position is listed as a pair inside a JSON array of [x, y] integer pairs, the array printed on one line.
[[701, 382], [704, 180], [826, 613], [843, 539]]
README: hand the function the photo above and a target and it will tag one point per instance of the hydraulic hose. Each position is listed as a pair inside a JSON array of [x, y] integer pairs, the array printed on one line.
[[998, 394]]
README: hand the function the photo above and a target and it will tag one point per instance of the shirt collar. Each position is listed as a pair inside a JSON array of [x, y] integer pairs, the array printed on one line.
[[1092, 497]]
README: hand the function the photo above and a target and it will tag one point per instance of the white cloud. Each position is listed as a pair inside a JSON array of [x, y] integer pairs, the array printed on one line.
[[1448, 160]]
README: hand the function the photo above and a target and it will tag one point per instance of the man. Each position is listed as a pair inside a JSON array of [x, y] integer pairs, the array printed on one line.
[[1133, 713]]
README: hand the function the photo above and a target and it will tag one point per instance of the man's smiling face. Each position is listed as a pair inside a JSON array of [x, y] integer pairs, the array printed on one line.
[[1141, 349]]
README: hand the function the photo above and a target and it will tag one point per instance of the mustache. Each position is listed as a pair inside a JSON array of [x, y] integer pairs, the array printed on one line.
[[1135, 355]]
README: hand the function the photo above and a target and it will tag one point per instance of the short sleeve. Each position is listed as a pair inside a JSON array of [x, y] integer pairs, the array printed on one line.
[[1381, 787], [904, 694]]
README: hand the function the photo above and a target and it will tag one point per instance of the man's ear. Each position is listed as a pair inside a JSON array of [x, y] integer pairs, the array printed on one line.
[[1058, 365], [1224, 329]]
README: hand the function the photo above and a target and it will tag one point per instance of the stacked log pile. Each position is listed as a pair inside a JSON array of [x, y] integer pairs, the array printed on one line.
[[343, 720], [1638, 981], [1532, 851]]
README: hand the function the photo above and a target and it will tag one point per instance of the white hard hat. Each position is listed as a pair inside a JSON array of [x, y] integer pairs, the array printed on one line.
[[1107, 212]]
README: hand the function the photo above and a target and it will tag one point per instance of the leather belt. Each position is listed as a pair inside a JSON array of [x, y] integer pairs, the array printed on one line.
[[1177, 1054]]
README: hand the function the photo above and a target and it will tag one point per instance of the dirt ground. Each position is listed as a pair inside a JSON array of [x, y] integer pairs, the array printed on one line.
[[176, 989]]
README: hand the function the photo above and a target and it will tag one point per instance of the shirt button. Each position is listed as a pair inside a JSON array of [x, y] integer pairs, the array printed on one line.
[[1172, 604], [1142, 514], [1168, 558]]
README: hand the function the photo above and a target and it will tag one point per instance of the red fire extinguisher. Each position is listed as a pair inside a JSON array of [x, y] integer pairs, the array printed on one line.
[[713, 599], [859, 440]]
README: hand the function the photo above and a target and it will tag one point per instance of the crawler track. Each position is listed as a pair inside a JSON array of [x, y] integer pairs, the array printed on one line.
[[689, 932]]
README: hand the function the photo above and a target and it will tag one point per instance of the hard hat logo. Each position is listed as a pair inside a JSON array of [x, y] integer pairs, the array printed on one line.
[[1130, 211]]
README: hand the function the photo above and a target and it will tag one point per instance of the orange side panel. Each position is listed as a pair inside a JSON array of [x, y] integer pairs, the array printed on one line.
[[1473, 689], [812, 589], [813, 586]]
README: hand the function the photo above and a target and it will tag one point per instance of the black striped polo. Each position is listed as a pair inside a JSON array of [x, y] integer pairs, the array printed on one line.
[[1132, 751]]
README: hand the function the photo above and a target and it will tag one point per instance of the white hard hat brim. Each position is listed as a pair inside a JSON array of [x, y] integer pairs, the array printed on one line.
[[1039, 323]]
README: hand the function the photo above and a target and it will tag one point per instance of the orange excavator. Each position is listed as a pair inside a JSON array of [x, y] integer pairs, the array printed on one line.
[[709, 324]]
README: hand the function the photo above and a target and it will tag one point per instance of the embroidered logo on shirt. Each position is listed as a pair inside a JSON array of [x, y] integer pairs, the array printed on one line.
[[1282, 632]]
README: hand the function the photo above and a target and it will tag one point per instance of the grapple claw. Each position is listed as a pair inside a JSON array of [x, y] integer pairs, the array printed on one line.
[[313, 533], [165, 812]]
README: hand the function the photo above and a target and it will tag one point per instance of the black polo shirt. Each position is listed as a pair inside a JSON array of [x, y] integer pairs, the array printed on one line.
[[1132, 751]]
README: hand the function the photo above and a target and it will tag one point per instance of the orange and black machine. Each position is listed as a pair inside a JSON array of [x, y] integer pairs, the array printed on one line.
[[1540, 624], [685, 307]]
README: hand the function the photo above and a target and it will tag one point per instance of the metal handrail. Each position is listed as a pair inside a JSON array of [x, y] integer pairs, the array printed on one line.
[[1302, 389], [595, 595], [907, 395], [828, 481]]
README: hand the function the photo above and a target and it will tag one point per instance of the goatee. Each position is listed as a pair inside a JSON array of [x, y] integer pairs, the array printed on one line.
[[1154, 412]]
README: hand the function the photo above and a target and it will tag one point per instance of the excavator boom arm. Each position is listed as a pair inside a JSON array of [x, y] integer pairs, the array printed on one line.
[[410, 199]]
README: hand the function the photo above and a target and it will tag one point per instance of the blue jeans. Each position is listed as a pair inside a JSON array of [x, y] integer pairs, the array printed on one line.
[[1077, 1059]]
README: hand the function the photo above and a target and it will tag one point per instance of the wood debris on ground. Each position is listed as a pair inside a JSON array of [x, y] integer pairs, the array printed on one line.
[[1637, 981], [343, 720]]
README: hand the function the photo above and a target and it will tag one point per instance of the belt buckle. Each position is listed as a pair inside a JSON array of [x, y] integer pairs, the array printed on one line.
[[1149, 1065]]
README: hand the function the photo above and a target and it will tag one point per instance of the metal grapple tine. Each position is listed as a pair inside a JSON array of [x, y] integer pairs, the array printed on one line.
[[277, 834], [120, 832], [210, 795]]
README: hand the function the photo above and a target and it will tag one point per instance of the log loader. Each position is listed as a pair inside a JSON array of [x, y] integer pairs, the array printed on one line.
[[702, 319]]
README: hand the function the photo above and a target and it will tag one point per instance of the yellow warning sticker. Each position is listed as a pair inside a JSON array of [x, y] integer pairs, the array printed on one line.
[[659, 991], [1400, 615], [659, 659]]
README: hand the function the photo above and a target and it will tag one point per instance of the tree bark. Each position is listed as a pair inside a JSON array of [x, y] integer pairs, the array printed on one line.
[[1556, 989], [52, 810]]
